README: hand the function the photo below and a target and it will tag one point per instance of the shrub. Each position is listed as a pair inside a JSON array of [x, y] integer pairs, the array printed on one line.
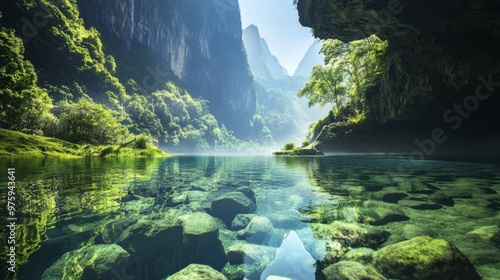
[[142, 141], [305, 143], [289, 146]]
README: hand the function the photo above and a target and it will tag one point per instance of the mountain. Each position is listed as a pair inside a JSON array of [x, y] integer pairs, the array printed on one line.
[[199, 41], [263, 64], [312, 58]]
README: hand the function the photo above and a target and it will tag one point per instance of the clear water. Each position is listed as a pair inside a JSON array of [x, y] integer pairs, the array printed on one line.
[[64, 205]]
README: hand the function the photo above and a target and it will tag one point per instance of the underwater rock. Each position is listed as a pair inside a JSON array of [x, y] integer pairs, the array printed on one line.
[[442, 199], [487, 233], [248, 192], [360, 255], [228, 205], [155, 243], [410, 231], [424, 258], [257, 231], [254, 258], [381, 213], [419, 205], [201, 241], [241, 221], [111, 231], [92, 262], [474, 208], [351, 270], [197, 271]]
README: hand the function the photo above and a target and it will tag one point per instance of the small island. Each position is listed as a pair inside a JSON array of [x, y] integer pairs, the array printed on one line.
[[306, 150]]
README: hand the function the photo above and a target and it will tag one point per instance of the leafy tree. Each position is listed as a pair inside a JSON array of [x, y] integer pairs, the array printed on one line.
[[289, 146], [350, 70], [88, 122], [24, 105]]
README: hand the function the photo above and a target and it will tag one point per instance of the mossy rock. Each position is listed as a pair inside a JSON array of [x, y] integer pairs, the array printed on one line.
[[487, 233], [197, 272], [92, 262], [381, 213], [201, 241], [350, 270], [258, 229], [230, 204], [424, 258], [241, 221], [360, 255]]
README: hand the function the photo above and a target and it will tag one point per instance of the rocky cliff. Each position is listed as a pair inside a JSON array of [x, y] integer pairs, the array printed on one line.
[[437, 49], [199, 40], [442, 66], [263, 64], [312, 58]]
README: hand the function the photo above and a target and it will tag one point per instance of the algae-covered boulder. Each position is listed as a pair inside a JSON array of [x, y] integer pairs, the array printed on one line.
[[228, 205], [381, 213], [487, 233], [350, 270], [92, 262], [201, 242], [241, 221], [252, 257], [197, 272], [360, 255], [424, 258], [258, 229], [155, 244]]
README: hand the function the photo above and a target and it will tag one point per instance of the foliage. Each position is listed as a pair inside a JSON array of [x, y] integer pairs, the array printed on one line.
[[289, 146], [350, 70], [143, 141], [18, 144], [305, 143], [88, 122], [24, 105]]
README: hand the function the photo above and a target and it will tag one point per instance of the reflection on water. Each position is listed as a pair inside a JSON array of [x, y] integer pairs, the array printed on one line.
[[247, 217]]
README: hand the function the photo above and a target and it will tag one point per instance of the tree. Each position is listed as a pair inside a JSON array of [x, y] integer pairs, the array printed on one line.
[[350, 70], [24, 105], [90, 123]]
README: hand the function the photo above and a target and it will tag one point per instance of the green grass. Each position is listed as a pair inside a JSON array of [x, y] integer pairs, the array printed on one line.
[[17, 144]]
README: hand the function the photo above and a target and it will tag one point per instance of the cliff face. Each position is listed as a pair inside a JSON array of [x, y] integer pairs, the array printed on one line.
[[437, 51], [263, 64], [199, 40], [312, 58]]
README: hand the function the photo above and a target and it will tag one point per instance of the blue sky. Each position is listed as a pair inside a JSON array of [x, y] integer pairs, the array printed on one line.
[[278, 23]]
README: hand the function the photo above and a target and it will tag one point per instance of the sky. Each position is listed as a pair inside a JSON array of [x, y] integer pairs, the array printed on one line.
[[278, 23]]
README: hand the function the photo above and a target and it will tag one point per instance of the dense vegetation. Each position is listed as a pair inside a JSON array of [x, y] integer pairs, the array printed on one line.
[[62, 79], [350, 70]]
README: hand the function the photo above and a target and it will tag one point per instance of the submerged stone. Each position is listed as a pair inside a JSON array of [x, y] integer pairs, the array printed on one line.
[[197, 271], [360, 255], [258, 229], [228, 205], [350, 270], [92, 262], [241, 221], [424, 258], [201, 243], [381, 213]]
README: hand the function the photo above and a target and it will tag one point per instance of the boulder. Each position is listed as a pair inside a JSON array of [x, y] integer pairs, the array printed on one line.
[[381, 213], [360, 255], [228, 205], [350, 270], [197, 271], [424, 258], [92, 262], [253, 258], [257, 231], [201, 243], [241, 221]]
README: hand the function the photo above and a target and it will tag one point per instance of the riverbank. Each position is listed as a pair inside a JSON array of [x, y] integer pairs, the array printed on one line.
[[14, 144]]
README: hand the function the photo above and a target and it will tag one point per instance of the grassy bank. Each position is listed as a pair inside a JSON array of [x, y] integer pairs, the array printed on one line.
[[18, 144]]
